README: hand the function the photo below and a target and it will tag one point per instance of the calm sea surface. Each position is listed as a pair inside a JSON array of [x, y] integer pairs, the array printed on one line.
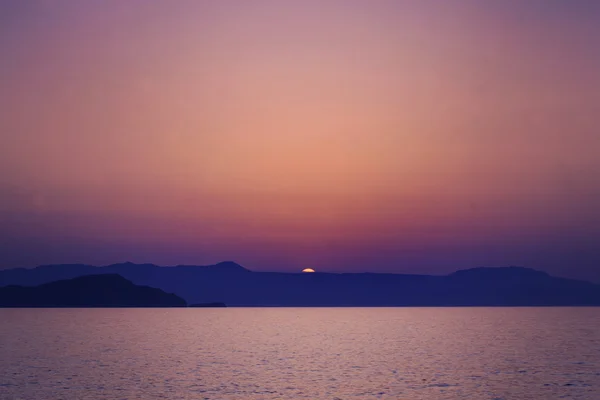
[[300, 353]]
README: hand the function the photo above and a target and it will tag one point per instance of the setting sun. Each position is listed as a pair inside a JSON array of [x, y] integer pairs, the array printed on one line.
[[308, 270]]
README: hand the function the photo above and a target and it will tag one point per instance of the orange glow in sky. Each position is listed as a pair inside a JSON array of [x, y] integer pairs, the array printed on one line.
[[353, 136]]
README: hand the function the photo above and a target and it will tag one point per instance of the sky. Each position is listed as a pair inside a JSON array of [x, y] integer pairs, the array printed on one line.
[[345, 136]]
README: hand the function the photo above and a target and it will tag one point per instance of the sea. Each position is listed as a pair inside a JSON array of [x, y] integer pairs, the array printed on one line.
[[300, 353]]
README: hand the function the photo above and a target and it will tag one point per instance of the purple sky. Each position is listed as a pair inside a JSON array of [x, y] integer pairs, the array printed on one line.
[[386, 135]]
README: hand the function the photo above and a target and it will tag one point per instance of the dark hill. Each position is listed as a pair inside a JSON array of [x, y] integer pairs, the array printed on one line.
[[106, 290], [236, 286]]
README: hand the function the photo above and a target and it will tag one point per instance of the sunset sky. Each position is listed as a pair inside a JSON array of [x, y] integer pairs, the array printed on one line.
[[415, 136]]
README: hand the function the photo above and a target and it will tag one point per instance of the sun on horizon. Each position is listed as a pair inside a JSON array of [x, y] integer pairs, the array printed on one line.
[[308, 270]]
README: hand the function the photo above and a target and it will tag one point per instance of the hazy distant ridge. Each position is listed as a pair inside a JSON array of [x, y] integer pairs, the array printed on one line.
[[233, 284]]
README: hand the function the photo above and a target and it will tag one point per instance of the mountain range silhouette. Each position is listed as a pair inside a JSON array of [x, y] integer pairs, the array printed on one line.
[[234, 285]]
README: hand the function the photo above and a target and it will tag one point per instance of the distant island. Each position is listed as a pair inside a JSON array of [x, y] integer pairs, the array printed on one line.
[[106, 290], [208, 305], [231, 284]]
